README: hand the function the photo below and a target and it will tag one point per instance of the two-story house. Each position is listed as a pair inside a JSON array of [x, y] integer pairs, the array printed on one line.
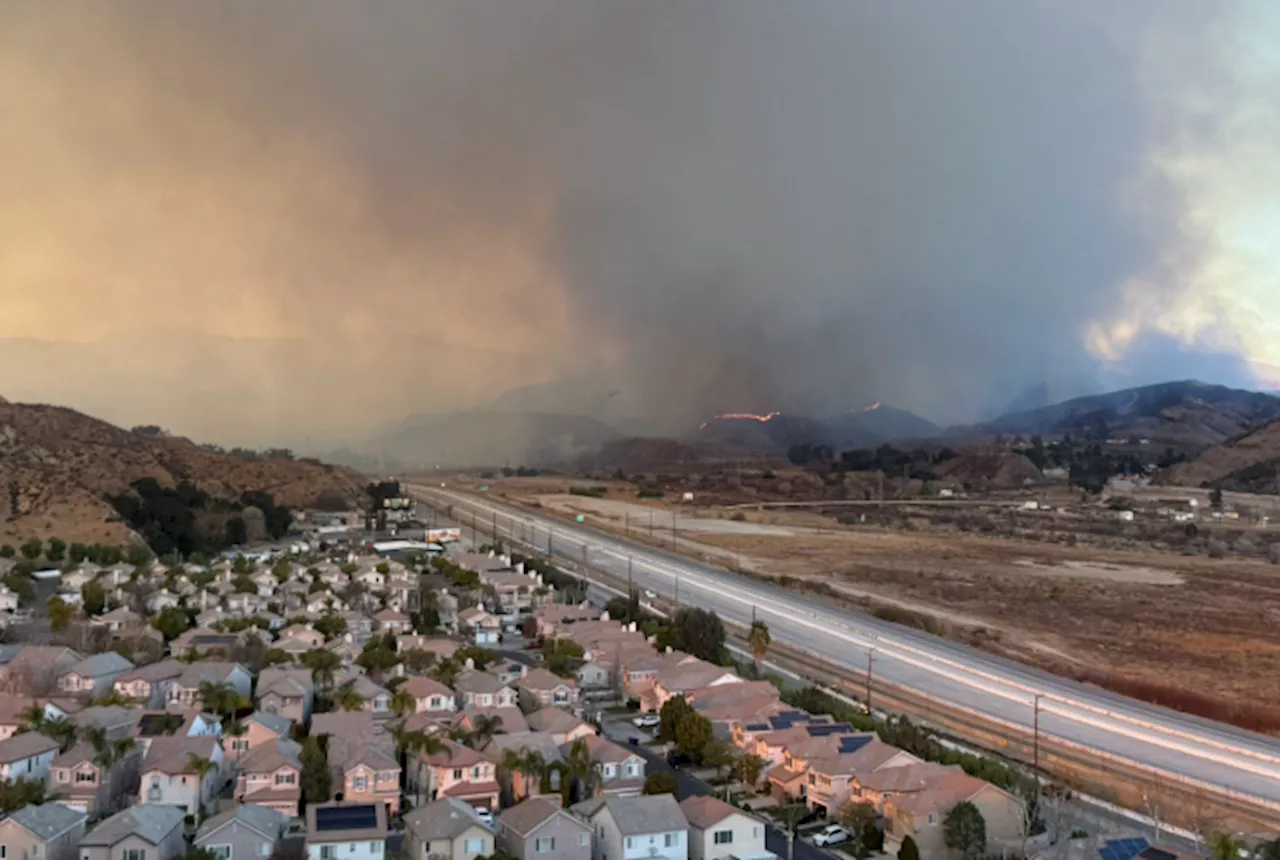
[[390, 621], [921, 815], [560, 724], [27, 756], [479, 626], [35, 669], [346, 831], [303, 633], [120, 621], [636, 828], [50, 831], [517, 784], [377, 699], [81, 783], [456, 771], [429, 694], [287, 692], [137, 833], [149, 685], [482, 690], [684, 678], [718, 831], [621, 769], [538, 829], [362, 758], [185, 689], [169, 774], [260, 728], [271, 776], [834, 778], [880, 786], [94, 676], [540, 688], [243, 832], [447, 829]]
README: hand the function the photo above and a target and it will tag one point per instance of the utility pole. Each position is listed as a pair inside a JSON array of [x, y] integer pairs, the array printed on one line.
[[631, 589], [475, 535], [870, 656], [626, 523], [673, 530], [495, 526], [650, 525], [586, 568], [1035, 736]]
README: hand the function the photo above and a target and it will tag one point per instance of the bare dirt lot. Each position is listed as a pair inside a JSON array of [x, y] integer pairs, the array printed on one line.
[[1188, 631]]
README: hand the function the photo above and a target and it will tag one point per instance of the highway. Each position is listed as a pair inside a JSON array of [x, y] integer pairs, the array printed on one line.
[[1203, 755]]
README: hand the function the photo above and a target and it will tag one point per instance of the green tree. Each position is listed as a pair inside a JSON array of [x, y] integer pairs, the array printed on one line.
[[699, 632], [94, 597], [446, 671], [1224, 846], [581, 775], [331, 625], [7, 551], [530, 765], [282, 570], [719, 755], [317, 784], [749, 769], [693, 733], [909, 849], [136, 555], [661, 782], [561, 656], [858, 819], [57, 549], [244, 585], [275, 657], [418, 659], [759, 640], [481, 658], [19, 581], [323, 665], [32, 549], [172, 622], [200, 766], [965, 830], [402, 703], [60, 613], [673, 711], [348, 699]]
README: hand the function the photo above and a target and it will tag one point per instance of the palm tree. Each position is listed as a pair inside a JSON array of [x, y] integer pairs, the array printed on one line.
[[235, 729], [1224, 846], [402, 703], [218, 697], [201, 767], [34, 718], [323, 665], [530, 765], [581, 774], [759, 640], [61, 730], [96, 736], [446, 671], [483, 728], [348, 699]]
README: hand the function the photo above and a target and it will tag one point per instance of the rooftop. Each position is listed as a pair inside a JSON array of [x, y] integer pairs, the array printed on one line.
[[150, 822], [654, 813], [262, 819], [47, 820], [25, 746], [524, 818], [346, 822], [443, 819]]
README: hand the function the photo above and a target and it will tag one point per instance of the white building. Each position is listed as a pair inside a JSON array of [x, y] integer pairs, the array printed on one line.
[[650, 827], [346, 831], [169, 778], [27, 756], [718, 831]]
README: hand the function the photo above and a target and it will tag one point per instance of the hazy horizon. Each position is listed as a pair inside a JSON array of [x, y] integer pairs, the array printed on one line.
[[261, 224]]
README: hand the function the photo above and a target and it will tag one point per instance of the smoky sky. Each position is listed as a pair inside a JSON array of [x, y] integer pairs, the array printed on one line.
[[702, 206]]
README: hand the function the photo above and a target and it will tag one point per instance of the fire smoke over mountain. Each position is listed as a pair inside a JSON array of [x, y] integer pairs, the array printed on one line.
[[698, 207]]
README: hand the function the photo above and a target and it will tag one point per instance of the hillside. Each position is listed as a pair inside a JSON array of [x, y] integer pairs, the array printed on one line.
[[1188, 416], [876, 424], [57, 465], [492, 438], [1249, 464], [765, 435]]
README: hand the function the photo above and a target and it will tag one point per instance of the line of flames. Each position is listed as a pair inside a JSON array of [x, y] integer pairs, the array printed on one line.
[[741, 416]]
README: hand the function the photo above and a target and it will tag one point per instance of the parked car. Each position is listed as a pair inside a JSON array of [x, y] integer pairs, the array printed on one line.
[[646, 721], [832, 835], [675, 758], [486, 815]]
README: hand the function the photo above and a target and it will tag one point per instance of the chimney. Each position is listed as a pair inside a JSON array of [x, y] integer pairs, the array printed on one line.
[[604, 616], [632, 627], [470, 664]]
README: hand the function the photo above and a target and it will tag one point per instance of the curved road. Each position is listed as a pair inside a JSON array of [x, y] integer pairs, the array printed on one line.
[[1210, 755]]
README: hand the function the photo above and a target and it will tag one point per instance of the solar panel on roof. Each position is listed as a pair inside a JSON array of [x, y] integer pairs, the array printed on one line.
[[1123, 849], [757, 727], [346, 818], [1158, 854], [823, 731], [853, 744]]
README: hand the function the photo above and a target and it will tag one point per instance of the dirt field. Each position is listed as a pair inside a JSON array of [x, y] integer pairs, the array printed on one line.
[[1188, 631]]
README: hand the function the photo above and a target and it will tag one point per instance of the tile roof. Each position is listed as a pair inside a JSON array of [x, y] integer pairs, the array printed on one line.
[[703, 811], [387, 615], [101, 664], [543, 680], [151, 822], [210, 671], [526, 817], [512, 718], [481, 683], [472, 789], [552, 720], [171, 754], [653, 813], [443, 819], [602, 750], [540, 742], [266, 821], [272, 722], [48, 820], [161, 671], [285, 682], [25, 746], [942, 793], [271, 756], [80, 753], [454, 755], [907, 778], [422, 687]]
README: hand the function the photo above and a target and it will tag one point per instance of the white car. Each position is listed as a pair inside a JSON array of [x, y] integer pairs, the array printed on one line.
[[485, 815], [646, 721], [832, 835]]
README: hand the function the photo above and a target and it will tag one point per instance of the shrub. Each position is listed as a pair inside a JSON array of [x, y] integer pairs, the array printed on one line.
[[1217, 548]]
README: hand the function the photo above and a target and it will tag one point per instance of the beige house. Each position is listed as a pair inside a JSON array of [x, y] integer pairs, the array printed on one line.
[[150, 832], [51, 831], [457, 772], [651, 827], [834, 779], [563, 726], [921, 816], [538, 829], [271, 776], [447, 829], [80, 783], [259, 729], [540, 688], [482, 690], [621, 769], [149, 685], [429, 695], [286, 692], [361, 758], [718, 831]]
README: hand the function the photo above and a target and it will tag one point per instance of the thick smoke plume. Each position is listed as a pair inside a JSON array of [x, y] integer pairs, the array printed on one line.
[[292, 221]]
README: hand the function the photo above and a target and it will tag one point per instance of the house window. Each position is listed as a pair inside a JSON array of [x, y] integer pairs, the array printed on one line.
[[328, 852], [933, 818], [82, 776], [375, 847], [544, 846], [584, 839], [722, 837], [240, 744], [62, 777], [633, 769], [285, 778], [222, 852], [359, 784], [670, 840], [628, 843], [475, 773], [457, 773], [136, 854], [473, 846], [264, 849]]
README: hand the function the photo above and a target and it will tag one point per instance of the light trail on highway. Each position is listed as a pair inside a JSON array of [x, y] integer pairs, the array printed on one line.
[[1197, 753]]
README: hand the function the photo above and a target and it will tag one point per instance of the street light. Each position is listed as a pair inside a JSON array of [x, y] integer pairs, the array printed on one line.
[[870, 656]]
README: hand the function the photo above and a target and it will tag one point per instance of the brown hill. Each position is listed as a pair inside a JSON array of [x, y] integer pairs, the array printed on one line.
[[1246, 464], [57, 465], [991, 470]]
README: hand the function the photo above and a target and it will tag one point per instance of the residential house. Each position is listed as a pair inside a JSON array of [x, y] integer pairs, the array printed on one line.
[[594, 675], [807, 743], [921, 816], [271, 776], [115, 721], [538, 829], [346, 831], [447, 829], [185, 689], [149, 685], [207, 642], [260, 728], [507, 671], [555, 620], [361, 758], [390, 621], [289, 693], [13, 711], [517, 785], [304, 633], [621, 769], [359, 627], [295, 648], [26, 756], [456, 771], [560, 724], [632, 828], [730, 705], [169, 779], [684, 678], [441, 646], [479, 626], [81, 783], [429, 695], [162, 600], [120, 621], [540, 688], [50, 831], [718, 831], [834, 779], [94, 676], [244, 832], [482, 690], [502, 719], [137, 833], [767, 738], [518, 593], [35, 669]]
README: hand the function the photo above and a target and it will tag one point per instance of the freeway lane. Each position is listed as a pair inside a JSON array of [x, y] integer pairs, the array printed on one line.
[[1182, 747]]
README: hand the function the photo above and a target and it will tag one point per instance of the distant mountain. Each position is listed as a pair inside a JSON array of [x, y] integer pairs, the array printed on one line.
[[877, 424], [771, 434], [1246, 464], [1188, 416], [490, 438]]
